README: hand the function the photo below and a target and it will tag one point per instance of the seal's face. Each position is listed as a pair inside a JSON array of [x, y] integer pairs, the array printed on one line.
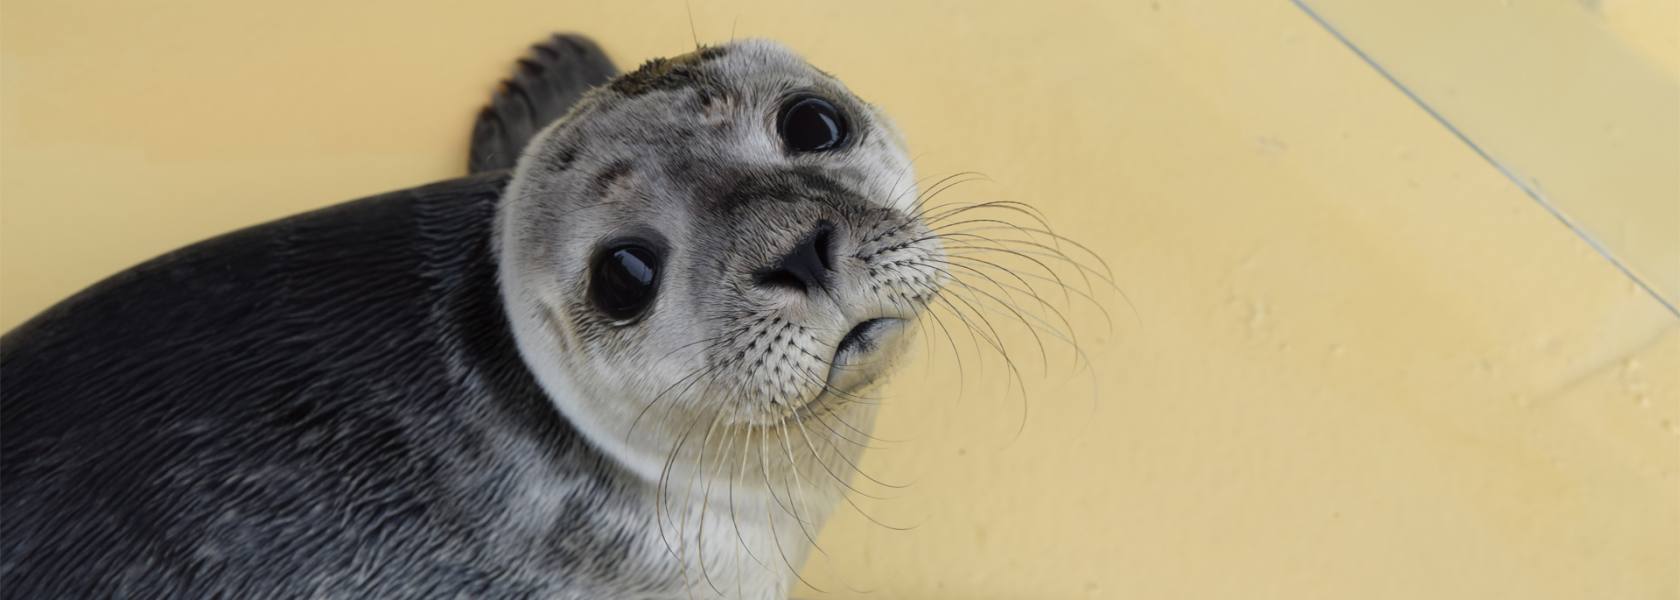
[[726, 239]]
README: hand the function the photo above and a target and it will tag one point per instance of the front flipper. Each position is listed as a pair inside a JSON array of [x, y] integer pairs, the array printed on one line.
[[543, 87]]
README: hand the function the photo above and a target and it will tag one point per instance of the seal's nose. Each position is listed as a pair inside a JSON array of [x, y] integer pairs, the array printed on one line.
[[809, 265]]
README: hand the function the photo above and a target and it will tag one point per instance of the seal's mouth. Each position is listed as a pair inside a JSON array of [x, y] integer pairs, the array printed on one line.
[[856, 360]]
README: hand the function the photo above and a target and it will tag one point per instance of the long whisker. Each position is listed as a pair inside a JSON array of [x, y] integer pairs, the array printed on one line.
[[976, 261], [1066, 335], [843, 481], [698, 372], [799, 488], [995, 342]]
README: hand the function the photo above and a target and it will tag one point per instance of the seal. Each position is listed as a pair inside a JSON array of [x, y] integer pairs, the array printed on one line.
[[634, 366]]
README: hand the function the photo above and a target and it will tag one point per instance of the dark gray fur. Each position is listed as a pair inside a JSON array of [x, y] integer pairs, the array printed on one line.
[[543, 86], [324, 405], [327, 405]]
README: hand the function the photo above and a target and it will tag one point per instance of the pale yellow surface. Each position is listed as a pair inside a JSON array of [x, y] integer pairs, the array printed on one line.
[[1516, 77], [1357, 361]]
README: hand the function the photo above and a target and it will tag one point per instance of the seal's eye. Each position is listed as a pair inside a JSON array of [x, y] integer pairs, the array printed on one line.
[[623, 281], [811, 124]]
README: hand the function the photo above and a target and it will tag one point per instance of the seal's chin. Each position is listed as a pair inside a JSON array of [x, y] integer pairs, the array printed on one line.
[[860, 357]]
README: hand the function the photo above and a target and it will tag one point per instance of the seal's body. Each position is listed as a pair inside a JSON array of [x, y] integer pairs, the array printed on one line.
[[625, 369], [326, 405]]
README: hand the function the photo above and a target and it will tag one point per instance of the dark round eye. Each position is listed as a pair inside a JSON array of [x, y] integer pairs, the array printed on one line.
[[811, 124], [624, 280]]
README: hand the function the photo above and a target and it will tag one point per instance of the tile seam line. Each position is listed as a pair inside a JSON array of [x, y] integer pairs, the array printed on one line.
[[1503, 169]]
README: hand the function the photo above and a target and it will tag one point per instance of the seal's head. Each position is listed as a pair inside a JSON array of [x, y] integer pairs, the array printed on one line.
[[717, 243]]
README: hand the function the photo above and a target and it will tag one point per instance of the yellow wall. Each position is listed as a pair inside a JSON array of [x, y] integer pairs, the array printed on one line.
[[1357, 361]]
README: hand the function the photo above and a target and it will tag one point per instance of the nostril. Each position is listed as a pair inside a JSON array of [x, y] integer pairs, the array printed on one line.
[[825, 255], [808, 265], [780, 278]]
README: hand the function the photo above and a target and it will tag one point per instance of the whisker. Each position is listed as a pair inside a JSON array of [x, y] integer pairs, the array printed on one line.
[[1067, 335]]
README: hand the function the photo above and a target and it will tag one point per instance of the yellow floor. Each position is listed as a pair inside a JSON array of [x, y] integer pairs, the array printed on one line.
[[1357, 360]]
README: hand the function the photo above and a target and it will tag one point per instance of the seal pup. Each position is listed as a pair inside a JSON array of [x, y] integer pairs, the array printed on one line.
[[632, 367]]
